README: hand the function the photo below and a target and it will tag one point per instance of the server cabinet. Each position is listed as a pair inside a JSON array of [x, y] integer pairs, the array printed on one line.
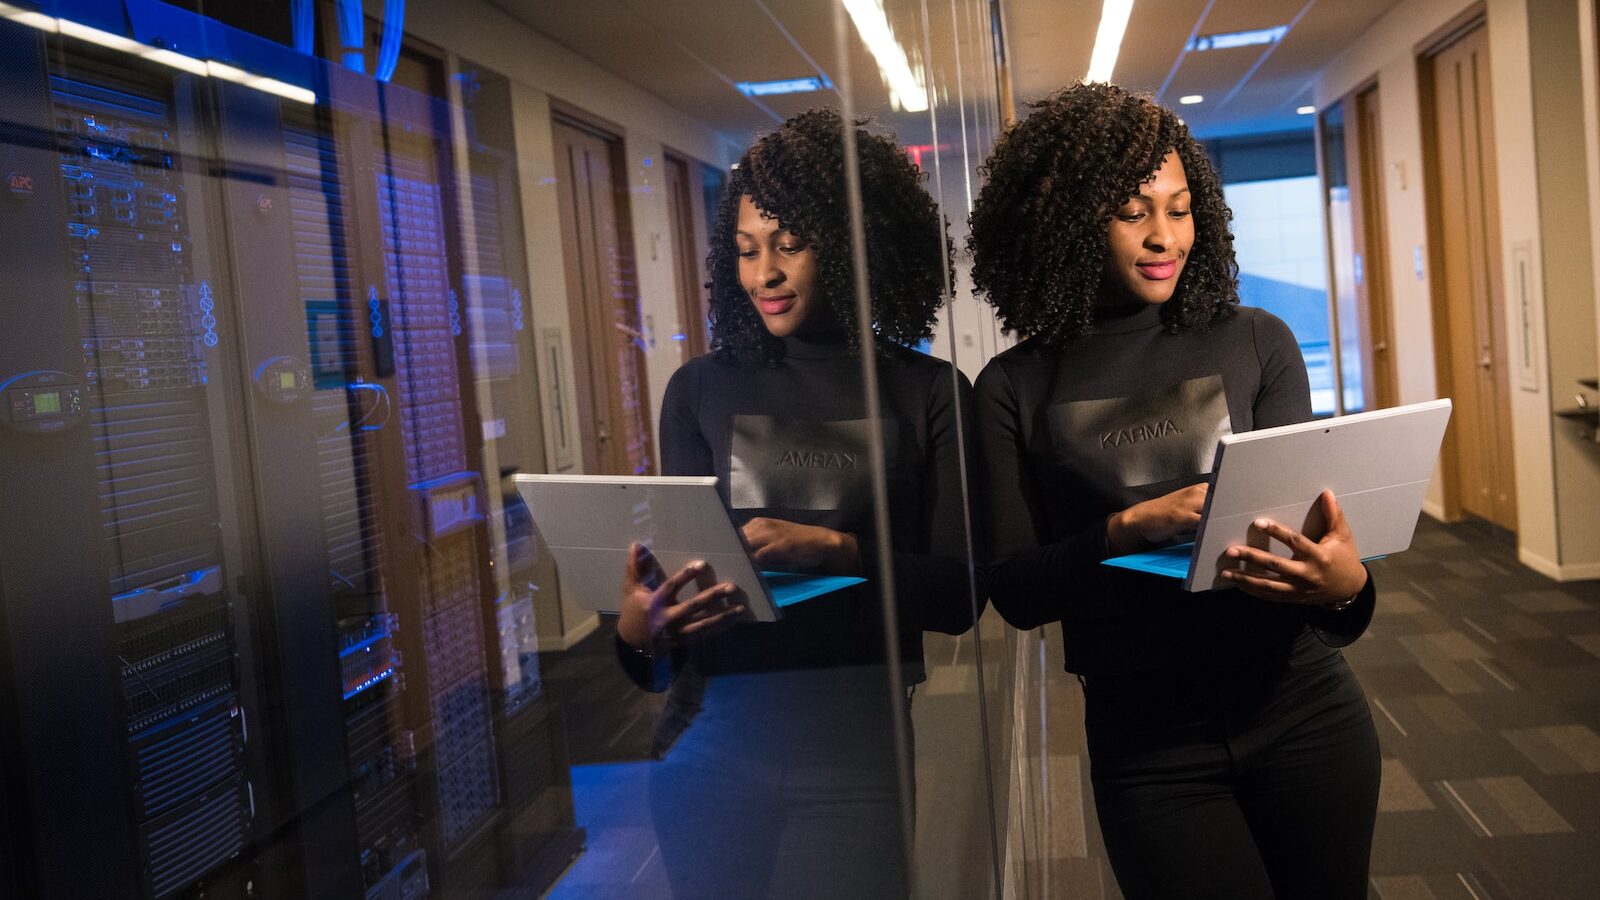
[[260, 637], [112, 237]]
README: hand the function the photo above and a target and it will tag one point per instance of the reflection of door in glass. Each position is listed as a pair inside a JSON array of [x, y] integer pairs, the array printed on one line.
[[603, 303], [689, 253], [1469, 300], [1365, 145], [1345, 261], [1353, 165]]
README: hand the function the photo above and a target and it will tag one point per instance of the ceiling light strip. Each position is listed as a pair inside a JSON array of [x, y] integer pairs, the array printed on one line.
[[905, 89], [1108, 39]]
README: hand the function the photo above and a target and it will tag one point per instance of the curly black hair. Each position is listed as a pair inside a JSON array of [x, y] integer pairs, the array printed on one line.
[[796, 174], [1051, 186]]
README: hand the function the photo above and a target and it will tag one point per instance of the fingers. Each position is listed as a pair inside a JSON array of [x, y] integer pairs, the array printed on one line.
[[1294, 540], [713, 623], [1333, 513], [1263, 587], [712, 600], [634, 574], [706, 576], [1269, 562], [670, 588], [758, 531]]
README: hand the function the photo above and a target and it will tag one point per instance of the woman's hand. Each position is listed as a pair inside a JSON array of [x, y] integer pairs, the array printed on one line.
[[651, 613], [1165, 520], [1327, 572], [789, 546]]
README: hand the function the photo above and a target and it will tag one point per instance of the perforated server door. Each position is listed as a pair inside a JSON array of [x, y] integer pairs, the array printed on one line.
[[435, 558], [151, 336], [121, 213], [65, 728]]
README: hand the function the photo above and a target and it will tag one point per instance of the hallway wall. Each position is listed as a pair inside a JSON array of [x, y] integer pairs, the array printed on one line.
[[1558, 479]]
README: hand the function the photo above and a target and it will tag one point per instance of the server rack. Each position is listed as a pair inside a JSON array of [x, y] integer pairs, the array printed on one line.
[[119, 267], [289, 670]]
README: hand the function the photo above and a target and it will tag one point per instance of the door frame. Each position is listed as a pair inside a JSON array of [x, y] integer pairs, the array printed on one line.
[[595, 458], [1425, 53]]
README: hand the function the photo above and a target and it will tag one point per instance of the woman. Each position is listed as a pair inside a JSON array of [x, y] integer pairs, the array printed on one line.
[[1232, 752], [785, 780]]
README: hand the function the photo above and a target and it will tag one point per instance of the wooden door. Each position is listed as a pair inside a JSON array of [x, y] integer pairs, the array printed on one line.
[[1469, 299], [603, 304], [1379, 386], [689, 254]]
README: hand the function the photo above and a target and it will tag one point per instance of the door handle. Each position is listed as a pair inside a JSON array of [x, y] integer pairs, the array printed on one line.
[[1380, 347]]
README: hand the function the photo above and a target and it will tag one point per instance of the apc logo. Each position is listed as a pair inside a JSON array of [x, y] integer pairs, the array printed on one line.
[[20, 184]]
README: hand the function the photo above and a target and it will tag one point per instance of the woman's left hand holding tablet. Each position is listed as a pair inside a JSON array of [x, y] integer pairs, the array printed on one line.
[[652, 615], [1327, 572], [789, 546]]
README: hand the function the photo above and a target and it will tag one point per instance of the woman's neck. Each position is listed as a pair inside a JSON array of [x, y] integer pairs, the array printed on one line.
[[1125, 316], [827, 345]]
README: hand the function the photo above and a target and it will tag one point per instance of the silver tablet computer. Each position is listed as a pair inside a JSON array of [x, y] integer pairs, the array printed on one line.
[[588, 521], [1378, 464]]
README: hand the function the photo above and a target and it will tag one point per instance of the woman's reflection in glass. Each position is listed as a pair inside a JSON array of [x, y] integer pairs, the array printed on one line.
[[778, 774]]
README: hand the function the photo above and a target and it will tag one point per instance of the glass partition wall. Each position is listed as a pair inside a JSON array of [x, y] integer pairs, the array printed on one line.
[[298, 290]]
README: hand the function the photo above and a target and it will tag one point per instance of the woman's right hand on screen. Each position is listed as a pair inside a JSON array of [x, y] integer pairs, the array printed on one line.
[[1156, 523], [652, 615]]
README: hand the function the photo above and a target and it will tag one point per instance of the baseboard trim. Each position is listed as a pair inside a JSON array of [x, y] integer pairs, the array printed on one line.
[[576, 633], [1557, 571]]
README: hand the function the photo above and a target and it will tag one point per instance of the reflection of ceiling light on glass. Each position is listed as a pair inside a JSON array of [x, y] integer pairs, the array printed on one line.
[[1191, 99], [786, 86], [905, 90], [177, 61], [160, 55], [284, 89], [1108, 39], [96, 36], [1305, 110], [28, 17], [1238, 39], [227, 72]]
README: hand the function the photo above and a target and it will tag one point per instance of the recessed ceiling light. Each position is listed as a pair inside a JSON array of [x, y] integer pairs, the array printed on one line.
[[1237, 39], [784, 86], [1305, 110], [1191, 99]]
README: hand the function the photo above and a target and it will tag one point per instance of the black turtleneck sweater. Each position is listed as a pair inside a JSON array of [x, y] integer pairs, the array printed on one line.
[[789, 441], [1068, 437]]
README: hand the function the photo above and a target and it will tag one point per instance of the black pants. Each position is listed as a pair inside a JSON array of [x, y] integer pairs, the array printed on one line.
[[1256, 782], [785, 785]]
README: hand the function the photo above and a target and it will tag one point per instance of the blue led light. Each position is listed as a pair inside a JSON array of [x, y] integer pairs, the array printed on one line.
[[208, 303], [376, 679], [784, 86], [365, 644]]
